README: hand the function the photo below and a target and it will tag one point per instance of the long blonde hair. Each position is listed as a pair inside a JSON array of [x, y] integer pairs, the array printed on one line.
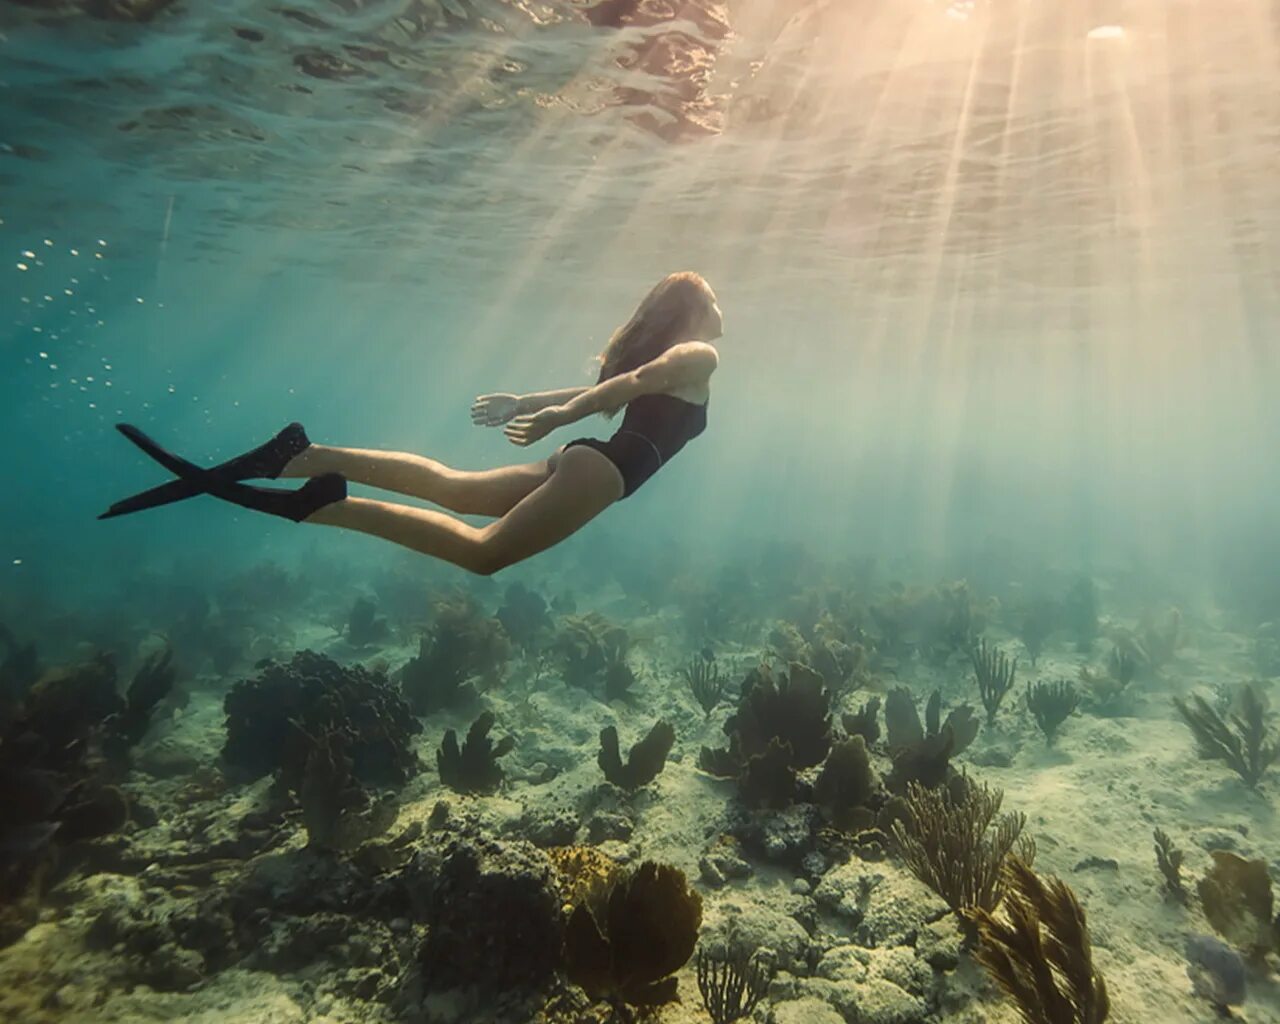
[[666, 316]]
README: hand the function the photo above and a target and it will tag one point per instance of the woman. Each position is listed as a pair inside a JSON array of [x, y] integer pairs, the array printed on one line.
[[658, 366]]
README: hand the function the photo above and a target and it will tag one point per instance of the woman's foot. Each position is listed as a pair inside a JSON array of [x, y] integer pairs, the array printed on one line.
[[297, 505], [268, 460]]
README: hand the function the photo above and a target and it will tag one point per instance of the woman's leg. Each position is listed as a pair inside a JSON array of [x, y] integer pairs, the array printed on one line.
[[490, 492], [583, 484]]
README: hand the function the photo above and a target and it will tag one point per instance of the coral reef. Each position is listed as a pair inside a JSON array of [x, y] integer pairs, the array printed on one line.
[[782, 725], [823, 646], [493, 910], [705, 682], [152, 683], [922, 753], [271, 717], [1155, 641], [592, 652], [462, 648], [474, 768], [1169, 861], [1248, 745], [1039, 952], [524, 615], [864, 722], [947, 839], [733, 986], [337, 811], [62, 751], [1107, 691], [1051, 704], [794, 709], [644, 761], [1036, 625], [1236, 898], [626, 947], [364, 628], [994, 673], [720, 607], [846, 785], [936, 622]]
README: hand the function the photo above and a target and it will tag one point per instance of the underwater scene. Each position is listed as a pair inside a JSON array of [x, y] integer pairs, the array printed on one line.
[[681, 511]]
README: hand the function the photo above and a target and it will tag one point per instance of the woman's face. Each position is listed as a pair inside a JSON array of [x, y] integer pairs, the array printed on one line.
[[712, 320]]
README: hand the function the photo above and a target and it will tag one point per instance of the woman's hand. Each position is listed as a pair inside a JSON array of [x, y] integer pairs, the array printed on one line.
[[525, 430], [494, 410]]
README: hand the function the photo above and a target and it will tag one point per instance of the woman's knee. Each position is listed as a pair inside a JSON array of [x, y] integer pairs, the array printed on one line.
[[489, 555]]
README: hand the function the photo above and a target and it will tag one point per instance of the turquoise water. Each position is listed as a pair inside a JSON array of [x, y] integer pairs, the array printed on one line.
[[1000, 284]]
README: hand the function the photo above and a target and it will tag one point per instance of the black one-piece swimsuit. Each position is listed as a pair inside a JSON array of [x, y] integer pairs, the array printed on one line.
[[653, 429]]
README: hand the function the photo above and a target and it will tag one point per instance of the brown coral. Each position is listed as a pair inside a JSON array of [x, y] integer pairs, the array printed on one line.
[[627, 948], [1039, 952], [1236, 897]]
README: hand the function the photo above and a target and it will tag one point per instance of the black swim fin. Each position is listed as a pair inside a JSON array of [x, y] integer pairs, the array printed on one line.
[[289, 504], [267, 460]]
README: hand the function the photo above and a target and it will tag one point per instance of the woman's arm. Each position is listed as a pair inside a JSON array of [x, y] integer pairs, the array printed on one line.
[[684, 365], [681, 366], [539, 400], [501, 407]]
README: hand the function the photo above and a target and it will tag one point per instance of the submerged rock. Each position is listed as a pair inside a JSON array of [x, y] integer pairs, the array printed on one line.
[[723, 862], [805, 1011], [493, 918], [1216, 971]]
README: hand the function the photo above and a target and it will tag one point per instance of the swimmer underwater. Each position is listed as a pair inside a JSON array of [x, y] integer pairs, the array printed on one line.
[[657, 366]]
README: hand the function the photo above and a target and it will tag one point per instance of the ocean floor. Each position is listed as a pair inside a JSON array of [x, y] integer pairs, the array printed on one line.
[[214, 903]]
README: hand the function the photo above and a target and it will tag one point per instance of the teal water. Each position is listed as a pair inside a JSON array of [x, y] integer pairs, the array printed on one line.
[[1001, 285], [1042, 310]]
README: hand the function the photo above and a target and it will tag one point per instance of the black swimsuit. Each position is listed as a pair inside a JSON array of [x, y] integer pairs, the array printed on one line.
[[654, 428]]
